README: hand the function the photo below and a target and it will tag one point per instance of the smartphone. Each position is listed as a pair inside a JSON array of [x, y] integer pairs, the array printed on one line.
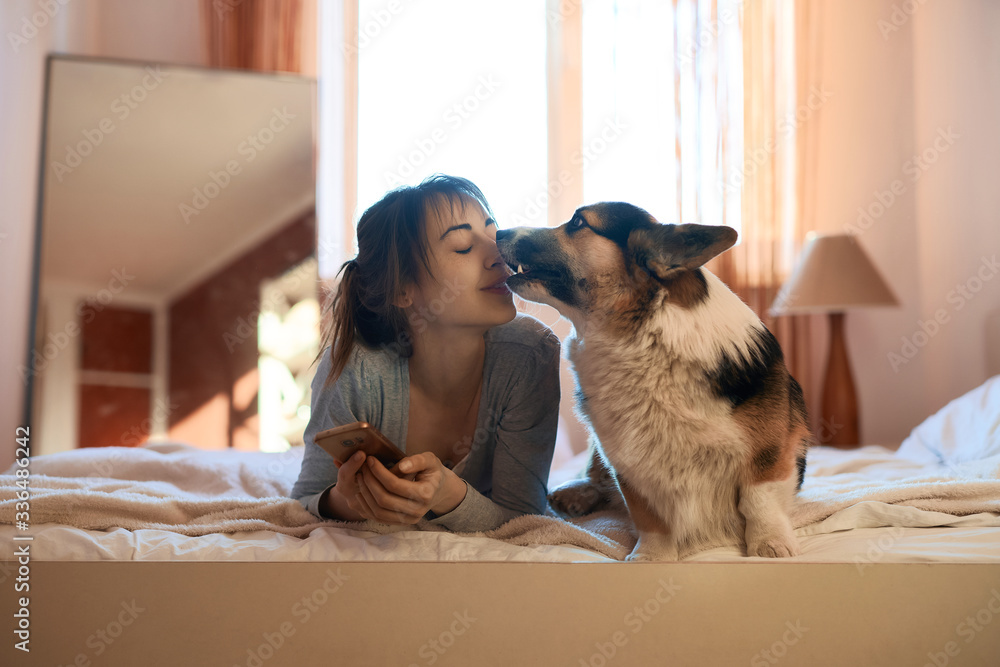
[[341, 443]]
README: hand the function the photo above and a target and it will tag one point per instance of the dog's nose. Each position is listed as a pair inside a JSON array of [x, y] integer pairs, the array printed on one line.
[[504, 233]]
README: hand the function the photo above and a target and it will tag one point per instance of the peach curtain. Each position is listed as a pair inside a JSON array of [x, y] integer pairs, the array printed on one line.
[[771, 176], [261, 35]]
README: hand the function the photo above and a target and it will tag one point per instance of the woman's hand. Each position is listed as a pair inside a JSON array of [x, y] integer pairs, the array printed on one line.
[[385, 496], [341, 502]]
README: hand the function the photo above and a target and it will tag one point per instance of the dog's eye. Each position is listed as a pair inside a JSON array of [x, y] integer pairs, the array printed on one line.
[[577, 223]]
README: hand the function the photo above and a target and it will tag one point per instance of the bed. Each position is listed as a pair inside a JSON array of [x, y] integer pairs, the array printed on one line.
[[168, 554]]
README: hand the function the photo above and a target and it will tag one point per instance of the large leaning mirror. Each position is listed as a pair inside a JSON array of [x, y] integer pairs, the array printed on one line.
[[176, 283]]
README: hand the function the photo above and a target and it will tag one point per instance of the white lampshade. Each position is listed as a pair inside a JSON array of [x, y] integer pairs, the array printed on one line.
[[832, 275]]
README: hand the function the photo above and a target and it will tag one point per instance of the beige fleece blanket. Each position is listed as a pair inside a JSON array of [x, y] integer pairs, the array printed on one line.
[[178, 488]]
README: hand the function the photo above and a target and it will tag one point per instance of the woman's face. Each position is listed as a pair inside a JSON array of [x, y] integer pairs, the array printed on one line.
[[467, 288]]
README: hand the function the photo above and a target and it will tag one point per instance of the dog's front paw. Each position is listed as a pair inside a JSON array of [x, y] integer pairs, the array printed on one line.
[[576, 498], [774, 547]]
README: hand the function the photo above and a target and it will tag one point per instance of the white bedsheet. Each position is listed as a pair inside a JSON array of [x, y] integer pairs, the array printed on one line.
[[864, 533], [973, 540]]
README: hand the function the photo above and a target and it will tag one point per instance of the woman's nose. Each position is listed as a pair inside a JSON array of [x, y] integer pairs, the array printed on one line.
[[493, 256]]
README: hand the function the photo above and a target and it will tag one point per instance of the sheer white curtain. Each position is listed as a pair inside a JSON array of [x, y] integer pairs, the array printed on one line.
[[408, 90], [662, 107]]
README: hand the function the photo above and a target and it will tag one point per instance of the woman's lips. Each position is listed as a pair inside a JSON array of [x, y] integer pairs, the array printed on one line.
[[499, 287]]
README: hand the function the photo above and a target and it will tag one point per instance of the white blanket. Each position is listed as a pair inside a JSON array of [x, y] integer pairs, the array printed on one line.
[[838, 480], [177, 488]]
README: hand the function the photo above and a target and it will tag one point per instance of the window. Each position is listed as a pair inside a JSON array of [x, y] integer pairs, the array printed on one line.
[[464, 88], [455, 87], [648, 69]]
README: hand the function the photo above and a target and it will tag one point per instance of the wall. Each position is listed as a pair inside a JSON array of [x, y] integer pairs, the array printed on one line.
[[898, 81], [138, 29], [957, 86]]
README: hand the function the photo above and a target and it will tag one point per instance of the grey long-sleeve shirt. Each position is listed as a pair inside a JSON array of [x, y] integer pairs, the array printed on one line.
[[507, 466]]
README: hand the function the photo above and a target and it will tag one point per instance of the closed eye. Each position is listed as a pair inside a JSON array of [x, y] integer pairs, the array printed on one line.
[[489, 221]]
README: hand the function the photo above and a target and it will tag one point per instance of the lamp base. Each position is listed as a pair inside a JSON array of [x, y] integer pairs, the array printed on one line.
[[839, 426]]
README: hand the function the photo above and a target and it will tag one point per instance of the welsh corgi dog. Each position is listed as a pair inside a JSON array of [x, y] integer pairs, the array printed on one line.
[[696, 423]]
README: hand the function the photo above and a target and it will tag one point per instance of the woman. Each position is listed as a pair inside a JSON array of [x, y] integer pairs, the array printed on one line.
[[426, 345]]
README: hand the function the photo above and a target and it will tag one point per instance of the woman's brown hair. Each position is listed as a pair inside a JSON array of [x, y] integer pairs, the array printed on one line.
[[392, 246]]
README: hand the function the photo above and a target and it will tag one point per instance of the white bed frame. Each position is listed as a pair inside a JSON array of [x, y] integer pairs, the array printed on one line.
[[473, 613]]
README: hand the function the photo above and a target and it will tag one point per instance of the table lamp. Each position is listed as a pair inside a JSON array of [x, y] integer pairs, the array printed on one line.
[[832, 275]]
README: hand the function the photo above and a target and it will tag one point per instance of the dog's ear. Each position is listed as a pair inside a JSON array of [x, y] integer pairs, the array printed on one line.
[[662, 249]]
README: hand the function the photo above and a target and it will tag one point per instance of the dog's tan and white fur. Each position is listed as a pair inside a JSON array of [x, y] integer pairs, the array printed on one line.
[[697, 422]]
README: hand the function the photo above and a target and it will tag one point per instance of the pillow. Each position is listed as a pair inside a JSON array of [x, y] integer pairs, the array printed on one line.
[[967, 429]]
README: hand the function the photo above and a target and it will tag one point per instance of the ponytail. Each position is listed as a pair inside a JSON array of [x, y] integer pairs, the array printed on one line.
[[361, 312], [339, 320]]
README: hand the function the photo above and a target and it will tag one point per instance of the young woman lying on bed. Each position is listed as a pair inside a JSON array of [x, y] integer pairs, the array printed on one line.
[[426, 345]]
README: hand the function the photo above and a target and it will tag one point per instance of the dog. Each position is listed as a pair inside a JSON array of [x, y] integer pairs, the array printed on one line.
[[696, 424]]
